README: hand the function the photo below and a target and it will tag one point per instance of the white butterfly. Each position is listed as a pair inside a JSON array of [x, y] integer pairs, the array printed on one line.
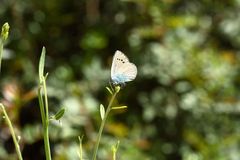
[[122, 70]]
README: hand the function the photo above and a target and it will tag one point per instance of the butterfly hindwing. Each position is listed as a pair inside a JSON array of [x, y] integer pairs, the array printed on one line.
[[122, 70], [118, 59], [129, 71]]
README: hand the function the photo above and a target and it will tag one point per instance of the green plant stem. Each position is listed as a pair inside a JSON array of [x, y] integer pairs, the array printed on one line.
[[47, 144], [80, 148], [114, 155], [114, 150], [42, 110], [1, 53], [12, 133], [45, 100], [102, 125], [45, 118]]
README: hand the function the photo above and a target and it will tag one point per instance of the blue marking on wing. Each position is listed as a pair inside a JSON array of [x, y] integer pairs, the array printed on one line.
[[119, 79]]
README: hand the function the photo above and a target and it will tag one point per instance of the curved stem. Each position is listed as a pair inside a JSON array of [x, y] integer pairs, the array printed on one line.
[[46, 121], [1, 53], [102, 125], [12, 133], [46, 101]]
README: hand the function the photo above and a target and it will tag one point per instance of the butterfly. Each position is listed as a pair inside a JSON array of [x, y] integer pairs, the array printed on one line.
[[122, 70]]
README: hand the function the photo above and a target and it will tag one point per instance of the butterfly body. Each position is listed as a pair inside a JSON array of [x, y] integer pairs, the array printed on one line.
[[122, 70]]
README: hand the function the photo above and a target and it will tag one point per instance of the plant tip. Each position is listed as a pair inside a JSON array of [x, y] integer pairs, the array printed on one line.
[[5, 31], [18, 138], [117, 88]]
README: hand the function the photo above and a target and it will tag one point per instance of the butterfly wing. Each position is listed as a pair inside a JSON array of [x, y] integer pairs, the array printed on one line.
[[122, 70], [118, 59], [128, 71]]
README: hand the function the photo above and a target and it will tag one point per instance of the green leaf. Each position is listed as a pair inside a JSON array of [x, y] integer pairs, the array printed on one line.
[[41, 64], [120, 107], [46, 75], [102, 111], [109, 90], [59, 114]]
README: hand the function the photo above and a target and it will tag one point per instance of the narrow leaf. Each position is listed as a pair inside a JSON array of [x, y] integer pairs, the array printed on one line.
[[102, 111], [109, 90], [59, 114], [46, 75], [120, 107], [18, 138], [41, 64]]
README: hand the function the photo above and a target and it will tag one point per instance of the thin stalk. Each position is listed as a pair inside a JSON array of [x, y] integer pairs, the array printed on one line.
[[45, 138], [42, 110], [114, 150], [80, 148], [12, 133], [114, 155], [45, 100], [102, 125], [46, 143], [45, 118], [1, 52], [43, 103]]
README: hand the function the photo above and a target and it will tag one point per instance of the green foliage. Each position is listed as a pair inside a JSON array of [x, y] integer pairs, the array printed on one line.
[[102, 111], [59, 114], [184, 103], [5, 31], [41, 65], [43, 105]]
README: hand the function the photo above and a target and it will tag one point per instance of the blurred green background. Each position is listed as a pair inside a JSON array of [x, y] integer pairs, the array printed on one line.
[[183, 105]]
